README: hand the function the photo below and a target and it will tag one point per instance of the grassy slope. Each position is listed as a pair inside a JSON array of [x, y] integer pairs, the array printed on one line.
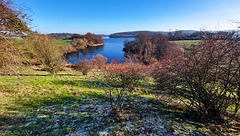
[[29, 91]]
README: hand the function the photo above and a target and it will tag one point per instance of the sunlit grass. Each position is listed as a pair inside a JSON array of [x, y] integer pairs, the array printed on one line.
[[29, 91], [186, 43], [62, 42]]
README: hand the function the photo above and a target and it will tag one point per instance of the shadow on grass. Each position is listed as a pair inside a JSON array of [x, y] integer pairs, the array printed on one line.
[[74, 74], [5, 122], [26, 75], [180, 112], [80, 83], [45, 74], [177, 110]]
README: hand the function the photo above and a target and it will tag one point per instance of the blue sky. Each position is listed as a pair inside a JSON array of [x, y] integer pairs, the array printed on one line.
[[110, 16]]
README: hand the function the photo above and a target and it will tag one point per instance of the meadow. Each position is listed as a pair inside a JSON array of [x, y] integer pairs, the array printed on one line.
[[73, 104], [160, 88], [62, 42]]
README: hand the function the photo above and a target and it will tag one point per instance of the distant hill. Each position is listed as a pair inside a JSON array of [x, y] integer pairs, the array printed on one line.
[[132, 34]]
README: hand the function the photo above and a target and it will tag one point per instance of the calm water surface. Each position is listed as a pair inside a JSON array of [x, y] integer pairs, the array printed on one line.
[[112, 49]]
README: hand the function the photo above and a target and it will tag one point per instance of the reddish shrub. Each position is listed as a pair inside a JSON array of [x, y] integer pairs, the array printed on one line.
[[85, 66], [125, 75], [120, 80], [99, 60]]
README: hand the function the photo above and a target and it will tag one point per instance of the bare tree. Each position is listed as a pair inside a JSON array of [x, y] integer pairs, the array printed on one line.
[[46, 51]]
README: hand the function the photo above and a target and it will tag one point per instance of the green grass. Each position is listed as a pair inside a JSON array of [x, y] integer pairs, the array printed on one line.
[[37, 88], [30, 91], [62, 42], [186, 43]]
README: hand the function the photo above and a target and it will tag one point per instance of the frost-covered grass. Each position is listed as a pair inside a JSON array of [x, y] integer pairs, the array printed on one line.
[[88, 116]]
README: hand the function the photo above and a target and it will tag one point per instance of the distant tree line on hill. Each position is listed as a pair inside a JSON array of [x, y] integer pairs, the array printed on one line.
[[199, 35], [177, 35]]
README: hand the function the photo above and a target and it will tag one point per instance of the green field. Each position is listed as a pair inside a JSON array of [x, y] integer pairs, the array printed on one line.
[[186, 43], [62, 42]]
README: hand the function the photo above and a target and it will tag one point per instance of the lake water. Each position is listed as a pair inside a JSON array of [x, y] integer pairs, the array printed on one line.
[[112, 49]]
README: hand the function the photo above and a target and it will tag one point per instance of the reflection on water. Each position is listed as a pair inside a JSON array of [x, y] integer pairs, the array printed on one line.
[[112, 49], [83, 54]]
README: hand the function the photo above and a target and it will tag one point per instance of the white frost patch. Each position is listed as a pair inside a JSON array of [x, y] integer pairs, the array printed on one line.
[[88, 115]]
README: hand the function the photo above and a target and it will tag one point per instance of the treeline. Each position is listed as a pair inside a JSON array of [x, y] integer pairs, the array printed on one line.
[[70, 36], [92, 38], [60, 36], [199, 35], [81, 42], [149, 49], [177, 35]]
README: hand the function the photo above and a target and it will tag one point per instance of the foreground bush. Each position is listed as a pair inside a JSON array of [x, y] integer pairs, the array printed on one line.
[[85, 66], [99, 60], [46, 51], [120, 80], [206, 78]]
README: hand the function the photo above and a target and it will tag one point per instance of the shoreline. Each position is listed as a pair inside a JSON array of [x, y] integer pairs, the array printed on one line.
[[74, 50]]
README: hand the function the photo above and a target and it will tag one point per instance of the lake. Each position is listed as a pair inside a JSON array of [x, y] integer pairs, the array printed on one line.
[[112, 49]]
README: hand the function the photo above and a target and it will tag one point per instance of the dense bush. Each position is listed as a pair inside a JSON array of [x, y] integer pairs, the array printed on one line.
[[68, 48], [46, 51], [84, 66], [148, 49], [99, 60], [83, 41], [206, 77], [93, 38], [9, 57]]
